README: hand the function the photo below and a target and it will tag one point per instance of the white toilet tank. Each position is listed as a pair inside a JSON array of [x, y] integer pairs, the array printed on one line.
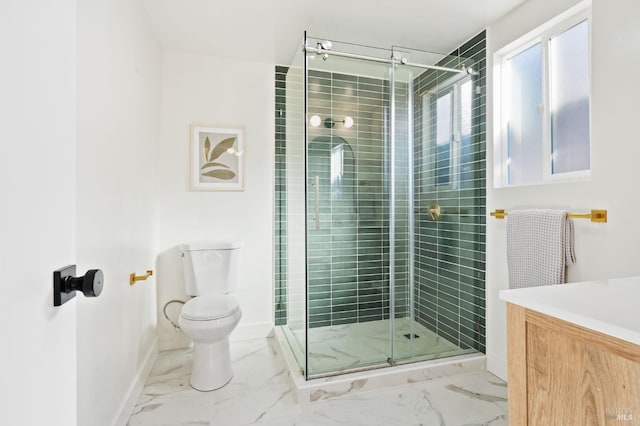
[[211, 267]]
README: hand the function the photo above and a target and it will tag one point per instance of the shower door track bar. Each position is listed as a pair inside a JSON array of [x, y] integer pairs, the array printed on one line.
[[373, 366], [321, 51]]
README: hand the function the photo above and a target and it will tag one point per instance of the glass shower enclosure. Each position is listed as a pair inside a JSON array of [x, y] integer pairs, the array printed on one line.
[[370, 172]]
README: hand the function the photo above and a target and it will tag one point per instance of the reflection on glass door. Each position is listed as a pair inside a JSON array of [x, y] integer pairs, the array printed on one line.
[[449, 111], [347, 235]]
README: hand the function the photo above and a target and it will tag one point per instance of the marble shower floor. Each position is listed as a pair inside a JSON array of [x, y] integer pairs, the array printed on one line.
[[260, 394], [344, 347]]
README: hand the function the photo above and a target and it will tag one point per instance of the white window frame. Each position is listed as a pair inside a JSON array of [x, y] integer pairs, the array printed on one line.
[[543, 36]]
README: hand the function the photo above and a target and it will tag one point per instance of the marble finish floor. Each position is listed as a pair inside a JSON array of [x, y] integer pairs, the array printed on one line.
[[349, 346], [260, 394]]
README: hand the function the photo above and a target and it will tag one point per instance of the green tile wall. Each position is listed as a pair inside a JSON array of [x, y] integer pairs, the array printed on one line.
[[348, 255], [280, 200], [450, 253], [401, 197]]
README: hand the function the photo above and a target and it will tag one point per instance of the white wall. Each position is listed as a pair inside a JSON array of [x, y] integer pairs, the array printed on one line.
[[603, 250], [218, 93], [119, 65], [37, 217]]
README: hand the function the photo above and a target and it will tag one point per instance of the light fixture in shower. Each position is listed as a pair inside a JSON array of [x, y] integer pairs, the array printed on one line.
[[315, 120], [330, 123], [348, 122]]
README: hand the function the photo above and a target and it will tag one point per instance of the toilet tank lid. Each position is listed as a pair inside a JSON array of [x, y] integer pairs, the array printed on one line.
[[211, 245]]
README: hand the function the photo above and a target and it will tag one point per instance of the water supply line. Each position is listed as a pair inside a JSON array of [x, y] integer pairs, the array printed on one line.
[[164, 310]]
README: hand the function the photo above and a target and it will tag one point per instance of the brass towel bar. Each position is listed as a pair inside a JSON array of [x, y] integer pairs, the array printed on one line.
[[133, 277], [595, 215]]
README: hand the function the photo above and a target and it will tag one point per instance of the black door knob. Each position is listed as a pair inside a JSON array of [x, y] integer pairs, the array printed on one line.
[[65, 284], [90, 284]]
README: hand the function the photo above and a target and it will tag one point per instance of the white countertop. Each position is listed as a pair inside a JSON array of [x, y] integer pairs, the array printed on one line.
[[611, 306]]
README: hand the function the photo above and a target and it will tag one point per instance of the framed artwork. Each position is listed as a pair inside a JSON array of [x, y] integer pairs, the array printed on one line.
[[216, 159]]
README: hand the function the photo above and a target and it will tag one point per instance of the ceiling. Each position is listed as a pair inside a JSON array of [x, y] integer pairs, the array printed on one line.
[[270, 30]]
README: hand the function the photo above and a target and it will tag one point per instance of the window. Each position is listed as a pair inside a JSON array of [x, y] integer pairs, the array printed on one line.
[[542, 103]]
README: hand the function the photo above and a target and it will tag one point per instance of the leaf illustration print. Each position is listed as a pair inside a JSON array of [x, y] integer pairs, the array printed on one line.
[[220, 174], [207, 147], [216, 169], [213, 164], [222, 147]]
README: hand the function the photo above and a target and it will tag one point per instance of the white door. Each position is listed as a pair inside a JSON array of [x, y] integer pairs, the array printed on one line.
[[37, 210]]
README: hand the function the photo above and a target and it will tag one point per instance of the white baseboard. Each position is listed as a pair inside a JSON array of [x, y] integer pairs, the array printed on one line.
[[129, 403], [256, 330]]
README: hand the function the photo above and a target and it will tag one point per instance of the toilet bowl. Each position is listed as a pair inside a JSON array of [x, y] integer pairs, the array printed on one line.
[[208, 321], [211, 271]]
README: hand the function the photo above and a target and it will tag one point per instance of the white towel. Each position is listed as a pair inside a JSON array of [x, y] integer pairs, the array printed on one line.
[[539, 246]]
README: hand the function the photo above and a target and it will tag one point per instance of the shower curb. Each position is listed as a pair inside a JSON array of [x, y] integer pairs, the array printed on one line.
[[305, 391]]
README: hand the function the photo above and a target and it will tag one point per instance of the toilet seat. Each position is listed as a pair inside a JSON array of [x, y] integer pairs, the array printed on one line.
[[210, 307]]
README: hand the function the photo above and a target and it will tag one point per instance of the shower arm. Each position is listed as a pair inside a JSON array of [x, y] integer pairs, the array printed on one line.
[[320, 51]]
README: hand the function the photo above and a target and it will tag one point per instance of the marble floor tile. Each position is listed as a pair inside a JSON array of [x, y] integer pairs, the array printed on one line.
[[259, 394]]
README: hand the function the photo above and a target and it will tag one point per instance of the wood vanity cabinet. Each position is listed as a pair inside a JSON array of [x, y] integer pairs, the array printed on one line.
[[564, 374]]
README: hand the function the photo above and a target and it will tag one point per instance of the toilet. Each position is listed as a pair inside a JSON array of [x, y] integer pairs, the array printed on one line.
[[210, 275]]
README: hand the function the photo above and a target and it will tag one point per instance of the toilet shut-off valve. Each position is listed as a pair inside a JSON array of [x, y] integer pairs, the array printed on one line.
[[65, 284]]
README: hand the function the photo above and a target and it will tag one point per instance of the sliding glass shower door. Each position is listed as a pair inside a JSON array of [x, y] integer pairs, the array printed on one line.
[[347, 210], [424, 212]]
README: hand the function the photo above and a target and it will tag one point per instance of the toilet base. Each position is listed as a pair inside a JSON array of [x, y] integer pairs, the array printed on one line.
[[211, 367]]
